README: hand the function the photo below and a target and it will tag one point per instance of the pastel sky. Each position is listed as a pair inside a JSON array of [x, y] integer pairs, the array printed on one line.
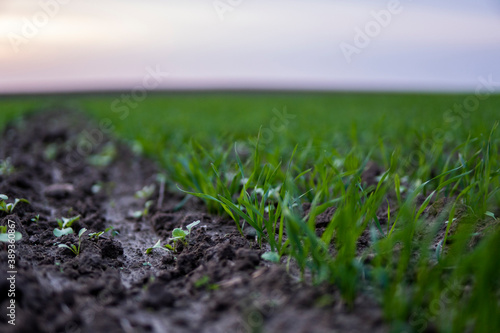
[[75, 45]]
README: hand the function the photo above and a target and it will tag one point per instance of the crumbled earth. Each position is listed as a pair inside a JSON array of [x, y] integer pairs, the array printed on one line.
[[67, 166]]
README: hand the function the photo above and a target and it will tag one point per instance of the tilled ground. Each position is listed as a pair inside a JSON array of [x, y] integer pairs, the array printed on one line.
[[65, 166]]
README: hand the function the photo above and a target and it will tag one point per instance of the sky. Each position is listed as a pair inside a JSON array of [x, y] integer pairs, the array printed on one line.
[[92, 45]]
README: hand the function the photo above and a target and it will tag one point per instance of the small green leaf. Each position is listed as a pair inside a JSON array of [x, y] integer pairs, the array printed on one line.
[[163, 248], [490, 214], [96, 235], [81, 232], [4, 197], [204, 280], [20, 200], [4, 237], [67, 247], [146, 192], [68, 222], [271, 256], [62, 232], [191, 225], [178, 233], [157, 246], [137, 214]]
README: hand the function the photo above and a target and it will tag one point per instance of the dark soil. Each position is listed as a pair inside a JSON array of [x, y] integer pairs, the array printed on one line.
[[218, 283]]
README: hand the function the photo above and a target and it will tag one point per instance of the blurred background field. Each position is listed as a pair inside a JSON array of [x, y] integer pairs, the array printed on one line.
[[396, 117]]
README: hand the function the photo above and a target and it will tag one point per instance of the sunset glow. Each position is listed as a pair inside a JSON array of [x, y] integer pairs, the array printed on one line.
[[108, 44]]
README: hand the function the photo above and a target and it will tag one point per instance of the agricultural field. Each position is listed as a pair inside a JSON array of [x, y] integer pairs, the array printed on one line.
[[250, 212]]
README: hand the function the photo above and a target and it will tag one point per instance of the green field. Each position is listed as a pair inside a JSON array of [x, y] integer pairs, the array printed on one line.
[[257, 158]]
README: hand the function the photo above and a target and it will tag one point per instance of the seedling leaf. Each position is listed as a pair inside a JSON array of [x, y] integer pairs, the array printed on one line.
[[137, 214], [191, 225], [68, 222], [158, 246], [62, 232], [4, 237], [178, 233], [65, 246], [80, 233], [490, 214], [271, 256]]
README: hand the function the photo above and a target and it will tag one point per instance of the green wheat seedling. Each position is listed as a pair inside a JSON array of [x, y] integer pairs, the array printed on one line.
[[73, 248], [158, 245], [4, 235], [204, 282], [103, 158], [193, 170], [256, 206], [6, 167], [65, 226], [8, 208], [142, 213], [145, 193], [180, 235], [97, 235]]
